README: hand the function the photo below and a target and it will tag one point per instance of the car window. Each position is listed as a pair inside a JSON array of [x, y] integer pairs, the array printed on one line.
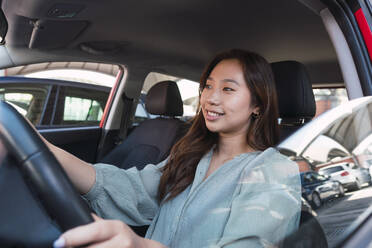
[[318, 177], [189, 91], [331, 170], [339, 137], [82, 109], [328, 98], [78, 106], [21, 101], [26, 99], [313, 177], [306, 178], [78, 92]]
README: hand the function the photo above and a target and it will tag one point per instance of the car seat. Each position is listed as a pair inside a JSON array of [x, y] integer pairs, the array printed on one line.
[[295, 96], [297, 107], [151, 140]]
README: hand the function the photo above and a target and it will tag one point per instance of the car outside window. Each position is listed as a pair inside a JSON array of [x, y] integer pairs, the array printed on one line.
[[29, 100], [338, 144], [328, 98], [80, 106], [80, 109], [71, 94], [21, 101]]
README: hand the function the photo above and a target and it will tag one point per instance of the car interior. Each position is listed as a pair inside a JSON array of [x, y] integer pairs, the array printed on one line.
[[309, 44], [144, 145]]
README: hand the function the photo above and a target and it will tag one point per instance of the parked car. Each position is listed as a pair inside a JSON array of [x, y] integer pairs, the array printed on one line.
[[330, 38], [316, 188], [351, 176]]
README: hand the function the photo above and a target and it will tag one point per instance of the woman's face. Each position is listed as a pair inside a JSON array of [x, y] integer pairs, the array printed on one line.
[[226, 99]]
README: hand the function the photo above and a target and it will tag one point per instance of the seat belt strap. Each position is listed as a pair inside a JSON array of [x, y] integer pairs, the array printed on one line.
[[125, 118]]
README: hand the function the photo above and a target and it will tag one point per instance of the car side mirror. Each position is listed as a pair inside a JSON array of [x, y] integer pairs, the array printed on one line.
[[3, 27]]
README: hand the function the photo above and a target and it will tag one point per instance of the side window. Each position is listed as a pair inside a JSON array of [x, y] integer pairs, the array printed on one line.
[[308, 178], [313, 177], [79, 106], [81, 109], [318, 177], [328, 98], [77, 92], [20, 101], [141, 113], [29, 100], [337, 145]]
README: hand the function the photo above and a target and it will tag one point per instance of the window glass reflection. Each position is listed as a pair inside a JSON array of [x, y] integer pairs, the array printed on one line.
[[336, 165]]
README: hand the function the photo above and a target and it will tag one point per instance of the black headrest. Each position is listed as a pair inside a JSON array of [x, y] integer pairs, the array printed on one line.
[[295, 94], [164, 98]]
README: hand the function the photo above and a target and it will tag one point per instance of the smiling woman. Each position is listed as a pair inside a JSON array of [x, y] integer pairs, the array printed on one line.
[[222, 175], [309, 43]]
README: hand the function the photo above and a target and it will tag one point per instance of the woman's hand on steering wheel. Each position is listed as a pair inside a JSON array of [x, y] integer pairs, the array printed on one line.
[[103, 233]]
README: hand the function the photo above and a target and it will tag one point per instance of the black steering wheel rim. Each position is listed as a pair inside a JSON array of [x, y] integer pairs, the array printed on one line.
[[42, 170]]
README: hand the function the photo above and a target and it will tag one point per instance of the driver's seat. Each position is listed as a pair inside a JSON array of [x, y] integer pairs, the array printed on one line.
[[295, 96], [297, 107]]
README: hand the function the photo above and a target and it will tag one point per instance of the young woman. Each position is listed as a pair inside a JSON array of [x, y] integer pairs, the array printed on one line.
[[221, 186]]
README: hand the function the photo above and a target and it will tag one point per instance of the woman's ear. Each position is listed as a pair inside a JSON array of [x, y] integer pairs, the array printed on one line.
[[256, 111]]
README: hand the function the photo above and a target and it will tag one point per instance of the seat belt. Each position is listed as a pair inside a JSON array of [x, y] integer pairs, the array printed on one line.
[[125, 118]]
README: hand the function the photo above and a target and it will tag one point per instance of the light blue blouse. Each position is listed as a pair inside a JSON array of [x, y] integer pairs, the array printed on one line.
[[252, 200]]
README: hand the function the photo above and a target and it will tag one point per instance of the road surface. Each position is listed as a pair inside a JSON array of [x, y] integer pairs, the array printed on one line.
[[336, 215]]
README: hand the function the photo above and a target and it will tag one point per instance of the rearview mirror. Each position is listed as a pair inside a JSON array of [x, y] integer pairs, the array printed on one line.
[[3, 27]]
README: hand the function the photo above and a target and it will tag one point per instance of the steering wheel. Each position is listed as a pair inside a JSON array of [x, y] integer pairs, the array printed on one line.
[[42, 170]]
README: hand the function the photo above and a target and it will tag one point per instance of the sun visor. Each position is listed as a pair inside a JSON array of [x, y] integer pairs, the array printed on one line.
[[47, 34]]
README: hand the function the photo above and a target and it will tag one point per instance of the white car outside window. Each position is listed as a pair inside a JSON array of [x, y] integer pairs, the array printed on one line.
[[348, 174]]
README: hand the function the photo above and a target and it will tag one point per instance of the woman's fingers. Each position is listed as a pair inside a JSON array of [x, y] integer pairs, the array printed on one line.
[[96, 218], [116, 242], [100, 234], [95, 232]]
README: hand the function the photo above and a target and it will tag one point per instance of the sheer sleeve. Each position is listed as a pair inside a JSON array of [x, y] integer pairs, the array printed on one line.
[[127, 195], [266, 207]]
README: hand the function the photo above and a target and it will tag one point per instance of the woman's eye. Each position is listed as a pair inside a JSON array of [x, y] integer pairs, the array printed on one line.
[[228, 89], [207, 86]]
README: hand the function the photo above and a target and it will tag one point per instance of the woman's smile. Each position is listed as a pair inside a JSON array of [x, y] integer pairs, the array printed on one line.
[[213, 115]]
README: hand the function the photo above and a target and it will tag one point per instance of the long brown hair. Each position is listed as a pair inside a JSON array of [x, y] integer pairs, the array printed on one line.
[[262, 133]]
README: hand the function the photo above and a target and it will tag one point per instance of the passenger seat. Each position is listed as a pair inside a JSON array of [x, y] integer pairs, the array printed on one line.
[[152, 140]]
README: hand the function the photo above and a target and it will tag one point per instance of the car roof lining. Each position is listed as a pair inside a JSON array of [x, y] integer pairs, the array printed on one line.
[[178, 38]]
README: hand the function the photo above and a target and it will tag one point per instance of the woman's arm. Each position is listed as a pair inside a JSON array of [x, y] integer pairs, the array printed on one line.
[[104, 233], [82, 174]]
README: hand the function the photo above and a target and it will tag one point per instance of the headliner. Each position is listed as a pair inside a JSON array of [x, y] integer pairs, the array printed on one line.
[[174, 37]]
